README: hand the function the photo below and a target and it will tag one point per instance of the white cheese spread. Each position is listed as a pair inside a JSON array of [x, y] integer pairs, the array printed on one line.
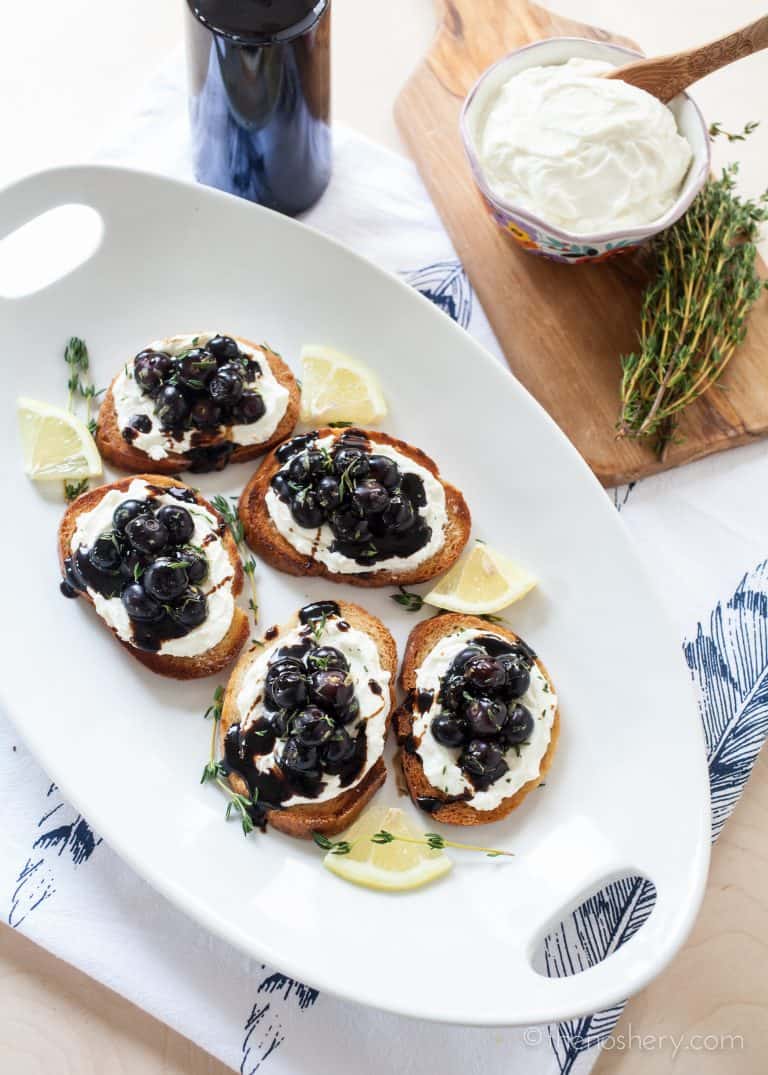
[[158, 443], [440, 763], [217, 585], [581, 152]]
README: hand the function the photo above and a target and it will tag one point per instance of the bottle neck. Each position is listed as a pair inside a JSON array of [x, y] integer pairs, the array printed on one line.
[[259, 22]]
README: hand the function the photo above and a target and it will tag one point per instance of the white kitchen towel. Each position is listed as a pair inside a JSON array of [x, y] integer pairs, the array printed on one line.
[[702, 530]]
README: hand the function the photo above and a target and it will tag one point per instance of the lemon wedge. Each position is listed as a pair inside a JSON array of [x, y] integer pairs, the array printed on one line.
[[387, 867], [483, 581], [56, 445], [338, 388]]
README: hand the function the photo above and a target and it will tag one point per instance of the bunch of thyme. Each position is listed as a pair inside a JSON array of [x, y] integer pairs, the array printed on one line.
[[695, 309], [433, 840], [232, 519]]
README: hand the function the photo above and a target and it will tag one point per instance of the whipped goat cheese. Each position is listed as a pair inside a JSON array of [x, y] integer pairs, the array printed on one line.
[[372, 690], [440, 763], [158, 443], [583, 153], [217, 586], [318, 543]]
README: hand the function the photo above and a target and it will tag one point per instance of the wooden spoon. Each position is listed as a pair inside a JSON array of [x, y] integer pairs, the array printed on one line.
[[666, 76]]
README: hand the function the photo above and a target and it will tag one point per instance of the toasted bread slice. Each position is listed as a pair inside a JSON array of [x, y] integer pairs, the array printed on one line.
[[125, 456], [333, 815], [203, 664], [266, 540], [421, 641]]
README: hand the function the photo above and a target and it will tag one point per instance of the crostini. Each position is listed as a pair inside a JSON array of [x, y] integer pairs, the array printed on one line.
[[355, 506], [480, 723], [161, 569], [197, 402], [305, 717]]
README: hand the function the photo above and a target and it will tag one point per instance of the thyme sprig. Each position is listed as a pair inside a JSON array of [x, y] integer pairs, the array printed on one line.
[[80, 382], [72, 490], [694, 310], [433, 840], [411, 602], [234, 523], [216, 772]]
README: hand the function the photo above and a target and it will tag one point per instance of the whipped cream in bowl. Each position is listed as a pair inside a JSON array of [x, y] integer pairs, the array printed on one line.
[[575, 166]]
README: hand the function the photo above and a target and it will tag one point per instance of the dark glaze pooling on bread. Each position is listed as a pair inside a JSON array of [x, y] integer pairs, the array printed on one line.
[[309, 718], [146, 560], [479, 712], [372, 508], [204, 390]]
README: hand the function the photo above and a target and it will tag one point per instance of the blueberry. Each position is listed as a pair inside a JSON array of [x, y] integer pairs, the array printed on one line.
[[223, 347], [281, 665], [128, 510], [485, 717], [517, 674], [178, 522], [463, 657], [226, 386], [371, 496], [484, 672], [140, 423], [250, 408], [384, 470], [190, 609], [348, 713], [333, 688], [352, 462], [312, 727], [299, 470], [282, 486], [147, 534], [339, 749], [196, 367], [519, 725], [452, 691], [288, 689], [196, 564], [297, 757], [205, 414], [326, 657], [171, 407], [151, 369], [349, 526], [165, 579], [328, 493], [139, 605], [448, 730], [306, 510], [400, 514], [104, 554], [483, 762]]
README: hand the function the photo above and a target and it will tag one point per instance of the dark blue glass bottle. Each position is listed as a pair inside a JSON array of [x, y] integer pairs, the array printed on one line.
[[260, 98]]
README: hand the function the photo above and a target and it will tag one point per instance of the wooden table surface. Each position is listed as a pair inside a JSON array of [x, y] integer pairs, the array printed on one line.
[[69, 73]]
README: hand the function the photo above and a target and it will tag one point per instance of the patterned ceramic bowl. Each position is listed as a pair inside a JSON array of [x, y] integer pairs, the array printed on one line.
[[537, 235]]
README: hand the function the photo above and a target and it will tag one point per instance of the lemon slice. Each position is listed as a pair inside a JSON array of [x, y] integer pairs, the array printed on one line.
[[55, 444], [484, 581], [389, 867], [338, 388]]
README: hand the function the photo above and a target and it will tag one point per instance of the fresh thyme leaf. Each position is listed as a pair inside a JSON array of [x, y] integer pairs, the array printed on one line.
[[340, 425], [411, 602], [93, 426], [72, 490], [694, 311], [716, 129]]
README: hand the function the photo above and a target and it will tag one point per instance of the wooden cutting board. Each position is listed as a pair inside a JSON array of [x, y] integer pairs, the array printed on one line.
[[561, 327]]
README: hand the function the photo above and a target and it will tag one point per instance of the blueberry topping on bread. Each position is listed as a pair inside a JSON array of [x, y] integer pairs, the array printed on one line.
[[480, 723], [197, 403], [355, 505], [161, 568], [305, 718]]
